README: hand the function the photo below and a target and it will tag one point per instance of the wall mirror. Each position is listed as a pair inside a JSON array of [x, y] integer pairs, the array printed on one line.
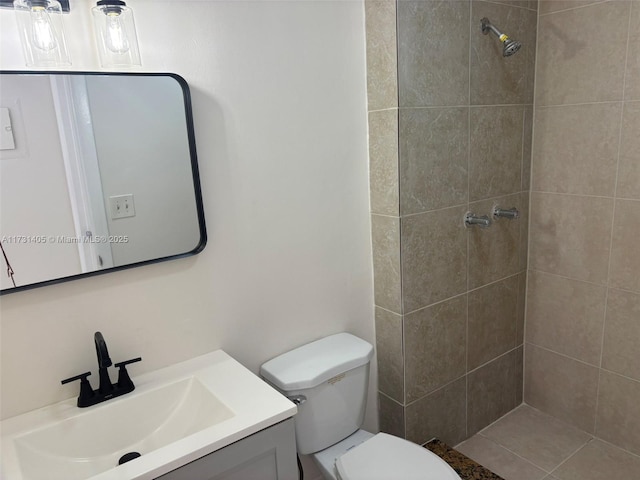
[[98, 172]]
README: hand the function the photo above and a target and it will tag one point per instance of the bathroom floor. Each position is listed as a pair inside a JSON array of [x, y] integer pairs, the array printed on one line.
[[527, 444]]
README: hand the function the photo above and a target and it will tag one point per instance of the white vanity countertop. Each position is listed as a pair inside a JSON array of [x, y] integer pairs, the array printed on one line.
[[253, 404]]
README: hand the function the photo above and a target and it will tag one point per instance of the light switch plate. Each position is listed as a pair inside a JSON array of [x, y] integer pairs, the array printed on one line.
[[122, 206]]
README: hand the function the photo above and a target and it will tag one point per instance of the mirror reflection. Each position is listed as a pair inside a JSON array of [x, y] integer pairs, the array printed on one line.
[[98, 172]]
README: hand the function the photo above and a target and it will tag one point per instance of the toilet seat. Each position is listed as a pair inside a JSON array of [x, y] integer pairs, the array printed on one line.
[[385, 457]]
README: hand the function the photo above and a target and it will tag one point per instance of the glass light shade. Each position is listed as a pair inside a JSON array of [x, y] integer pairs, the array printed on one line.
[[115, 34], [42, 32]]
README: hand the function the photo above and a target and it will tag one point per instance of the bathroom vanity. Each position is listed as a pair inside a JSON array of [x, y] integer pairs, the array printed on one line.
[[206, 418], [266, 455]]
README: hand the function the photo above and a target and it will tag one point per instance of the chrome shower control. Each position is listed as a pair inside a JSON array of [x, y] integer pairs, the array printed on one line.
[[510, 213], [471, 219]]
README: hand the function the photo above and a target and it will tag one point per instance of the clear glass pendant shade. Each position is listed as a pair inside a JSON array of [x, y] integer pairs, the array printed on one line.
[[42, 32], [115, 34]]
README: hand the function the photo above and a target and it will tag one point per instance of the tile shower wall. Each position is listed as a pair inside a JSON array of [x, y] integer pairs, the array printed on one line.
[[583, 307], [450, 125]]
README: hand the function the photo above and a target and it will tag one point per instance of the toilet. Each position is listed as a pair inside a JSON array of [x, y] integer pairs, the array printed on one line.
[[328, 380]]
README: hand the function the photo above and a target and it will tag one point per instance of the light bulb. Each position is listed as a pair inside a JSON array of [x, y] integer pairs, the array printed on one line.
[[115, 34], [42, 34]]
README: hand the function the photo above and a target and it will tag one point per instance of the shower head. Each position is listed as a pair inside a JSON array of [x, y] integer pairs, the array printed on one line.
[[509, 47]]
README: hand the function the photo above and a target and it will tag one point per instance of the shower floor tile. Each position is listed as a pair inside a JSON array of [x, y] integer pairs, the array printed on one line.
[[527, 444]]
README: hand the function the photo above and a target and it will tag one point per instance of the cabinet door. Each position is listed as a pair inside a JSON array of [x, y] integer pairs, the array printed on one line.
[[267, 455]]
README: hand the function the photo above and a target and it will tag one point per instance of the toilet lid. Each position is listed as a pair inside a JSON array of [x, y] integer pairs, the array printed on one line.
[[385, 457]]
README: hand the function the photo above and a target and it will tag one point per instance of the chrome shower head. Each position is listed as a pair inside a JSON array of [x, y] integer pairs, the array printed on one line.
[[510, 46]]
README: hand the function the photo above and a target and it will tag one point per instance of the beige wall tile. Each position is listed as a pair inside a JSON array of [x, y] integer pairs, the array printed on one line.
[[491, 392], [494, 252], [570, 236], [385, 233], [435, 343], [598, 460], [382, 60], [576, 66], [496, 79], [619, 411], [441, 414], [566, 316], [561, 387], [434, 257], [629, 171], [389, 350], [536, 437], [434, 150], [576, 149], [625, 247], [433, 53], [383, 162], [495, 159], [621, 352], [391, 415], [493, 314], [632, 84]]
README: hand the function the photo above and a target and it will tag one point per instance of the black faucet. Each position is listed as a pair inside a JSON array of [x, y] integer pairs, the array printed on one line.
[[107, 390], [104, 362]]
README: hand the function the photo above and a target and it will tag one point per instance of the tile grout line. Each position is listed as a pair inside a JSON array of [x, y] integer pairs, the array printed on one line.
[[400, 217], [493, 282], [631, 379], [566, 277], [573, 454], [585, 195], [466, 359], [499, 445], [534, 109], [573, 8]]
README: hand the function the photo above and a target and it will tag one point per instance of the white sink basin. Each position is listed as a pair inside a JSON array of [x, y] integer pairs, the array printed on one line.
[[174, 416]]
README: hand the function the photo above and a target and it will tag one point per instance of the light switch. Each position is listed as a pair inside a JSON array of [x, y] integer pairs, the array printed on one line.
[[6, 131], [121, 206]]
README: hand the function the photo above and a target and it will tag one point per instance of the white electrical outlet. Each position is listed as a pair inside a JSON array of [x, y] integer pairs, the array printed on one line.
[[121, 206]]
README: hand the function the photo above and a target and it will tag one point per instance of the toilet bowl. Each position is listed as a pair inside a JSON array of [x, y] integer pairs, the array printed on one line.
[[328, 380]]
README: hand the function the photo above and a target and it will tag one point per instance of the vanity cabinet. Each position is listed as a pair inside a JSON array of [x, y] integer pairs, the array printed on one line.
[[267, 455]]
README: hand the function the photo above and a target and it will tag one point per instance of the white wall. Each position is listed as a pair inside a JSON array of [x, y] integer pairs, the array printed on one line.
[[35, 198], [280, 117]]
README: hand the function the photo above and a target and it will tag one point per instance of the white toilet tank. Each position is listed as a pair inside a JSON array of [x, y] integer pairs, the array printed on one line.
[[330, 378]]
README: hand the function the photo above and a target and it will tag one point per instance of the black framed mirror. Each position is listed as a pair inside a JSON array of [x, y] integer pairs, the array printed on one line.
[[98, 172]]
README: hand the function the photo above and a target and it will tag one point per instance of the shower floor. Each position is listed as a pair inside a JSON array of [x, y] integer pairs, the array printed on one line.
[[527, 444]]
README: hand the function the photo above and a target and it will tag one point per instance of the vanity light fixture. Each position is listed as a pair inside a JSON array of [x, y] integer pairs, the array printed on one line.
[[42, 32], [115, 34]]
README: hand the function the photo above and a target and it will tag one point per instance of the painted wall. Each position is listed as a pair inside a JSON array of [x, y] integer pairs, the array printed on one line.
[[35, 199], [280, 121], [583, 299]]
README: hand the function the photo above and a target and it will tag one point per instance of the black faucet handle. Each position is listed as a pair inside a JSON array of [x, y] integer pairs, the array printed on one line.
[[81, 377], [86, 392], [127, 362], [124, 381]]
